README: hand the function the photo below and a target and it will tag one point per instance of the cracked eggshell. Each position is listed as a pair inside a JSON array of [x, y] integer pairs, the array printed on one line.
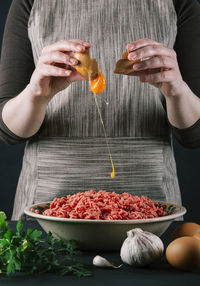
[[124, 66], [86, 65]]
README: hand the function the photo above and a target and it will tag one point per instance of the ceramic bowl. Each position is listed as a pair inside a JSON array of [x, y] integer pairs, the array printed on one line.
[[102, 235]]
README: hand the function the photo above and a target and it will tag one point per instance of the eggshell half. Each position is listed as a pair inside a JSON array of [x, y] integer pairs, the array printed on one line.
[[86, 65], [124, 66]]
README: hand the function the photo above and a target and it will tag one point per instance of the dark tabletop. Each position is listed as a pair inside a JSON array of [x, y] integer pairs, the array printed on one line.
[[156, 274]]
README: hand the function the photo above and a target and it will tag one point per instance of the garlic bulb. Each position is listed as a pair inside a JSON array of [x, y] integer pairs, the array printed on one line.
[[100, 261], [141, 248]]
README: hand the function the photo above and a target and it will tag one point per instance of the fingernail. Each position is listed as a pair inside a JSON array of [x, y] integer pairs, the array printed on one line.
[[137, 66], [144, 59], [74, 62], [79, 48], [86, 44], [131, 47], [132, 57], [68, 72]]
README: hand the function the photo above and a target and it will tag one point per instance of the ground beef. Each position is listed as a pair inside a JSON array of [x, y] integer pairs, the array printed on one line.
[[103, 205]]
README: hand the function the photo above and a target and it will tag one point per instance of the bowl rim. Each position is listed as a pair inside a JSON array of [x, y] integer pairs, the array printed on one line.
[[182, 210]]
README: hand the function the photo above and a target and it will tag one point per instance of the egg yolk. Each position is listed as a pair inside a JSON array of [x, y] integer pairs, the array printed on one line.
[[98, 84]]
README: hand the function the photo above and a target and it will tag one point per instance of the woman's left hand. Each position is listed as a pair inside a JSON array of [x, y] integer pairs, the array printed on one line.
[[158, 65]]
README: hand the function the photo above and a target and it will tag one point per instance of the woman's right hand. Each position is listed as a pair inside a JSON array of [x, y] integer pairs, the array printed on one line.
[[54, 70]]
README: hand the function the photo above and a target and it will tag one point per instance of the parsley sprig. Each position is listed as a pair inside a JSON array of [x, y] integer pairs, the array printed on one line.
[[27, 252]]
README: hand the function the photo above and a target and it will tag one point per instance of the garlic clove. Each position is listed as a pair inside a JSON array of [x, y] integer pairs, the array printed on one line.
[[100, 261]]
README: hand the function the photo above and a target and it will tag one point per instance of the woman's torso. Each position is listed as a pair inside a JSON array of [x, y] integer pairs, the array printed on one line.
[[69, 153]]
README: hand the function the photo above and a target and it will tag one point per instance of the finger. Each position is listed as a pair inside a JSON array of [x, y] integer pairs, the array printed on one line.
[[49, 70], [64, 46], [57, 57], [162, 76], [81, 42], [141, 43], [155, 62], [76, 76], [144, 72], [63, 66], [151, 51]]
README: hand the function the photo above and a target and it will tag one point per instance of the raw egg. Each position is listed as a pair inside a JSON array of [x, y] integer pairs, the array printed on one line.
[[112, 175], [184, 253], [98, 84], [186, 229], [89, 69]]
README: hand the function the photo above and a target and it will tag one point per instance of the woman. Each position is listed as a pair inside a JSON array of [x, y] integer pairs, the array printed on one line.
[[44, 103]]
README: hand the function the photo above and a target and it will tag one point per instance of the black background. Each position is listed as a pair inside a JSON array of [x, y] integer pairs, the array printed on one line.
[[11, 159]]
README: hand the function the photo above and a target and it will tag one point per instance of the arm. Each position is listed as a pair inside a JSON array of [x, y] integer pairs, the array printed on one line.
[[161, 70], [181, 91], [17, 63], [184, 108], [188, 14], [54, 72], [23, 113]]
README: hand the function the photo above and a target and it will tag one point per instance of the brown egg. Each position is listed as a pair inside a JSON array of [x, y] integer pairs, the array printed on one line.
[[184, 253], [197, 235], [185, 229], [86, 65]]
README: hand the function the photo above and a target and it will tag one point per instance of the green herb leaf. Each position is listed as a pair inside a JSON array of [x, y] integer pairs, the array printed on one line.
[[3, 222], [34, 235], [29, 253], [19, 226], [10, 268], [9, 234], [3, 243], [17, 263]]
